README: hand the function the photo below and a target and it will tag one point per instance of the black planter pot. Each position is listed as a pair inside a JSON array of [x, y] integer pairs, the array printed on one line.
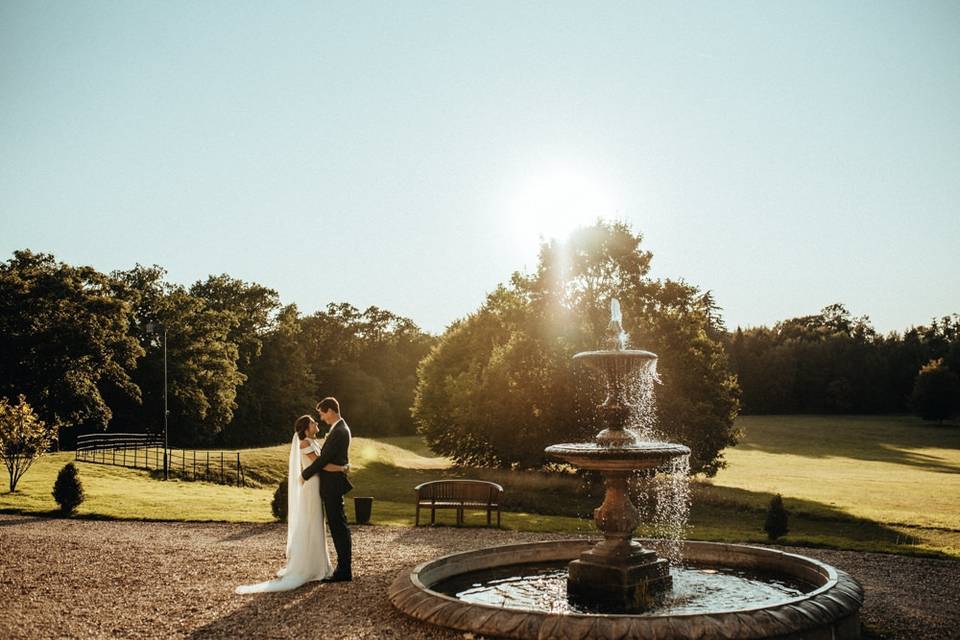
[[362, 508]]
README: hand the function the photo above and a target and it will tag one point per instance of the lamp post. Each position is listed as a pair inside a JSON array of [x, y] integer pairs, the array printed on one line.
[[151, 328]]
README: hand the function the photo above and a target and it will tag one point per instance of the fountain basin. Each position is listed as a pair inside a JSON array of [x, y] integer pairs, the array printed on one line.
[[605, 356], [830, 610], [621, 457]]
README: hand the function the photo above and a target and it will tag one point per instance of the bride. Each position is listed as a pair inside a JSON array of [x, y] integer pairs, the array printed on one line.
[[307, 557]]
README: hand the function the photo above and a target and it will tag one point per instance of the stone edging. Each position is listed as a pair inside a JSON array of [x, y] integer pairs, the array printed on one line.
[[831, 611]]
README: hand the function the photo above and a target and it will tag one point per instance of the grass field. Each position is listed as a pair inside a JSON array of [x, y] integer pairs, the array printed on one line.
[[868, 483], [893, 470]]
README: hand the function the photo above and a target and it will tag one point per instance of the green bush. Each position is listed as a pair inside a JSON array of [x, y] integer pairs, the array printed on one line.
[[67, 490], [279, 504], [776, 522], [936, 392]]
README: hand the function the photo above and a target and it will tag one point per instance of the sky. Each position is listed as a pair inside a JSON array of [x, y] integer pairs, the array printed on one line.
[[412, 155]]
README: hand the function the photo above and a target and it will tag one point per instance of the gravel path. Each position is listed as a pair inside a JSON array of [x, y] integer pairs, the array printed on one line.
[[83, 579]]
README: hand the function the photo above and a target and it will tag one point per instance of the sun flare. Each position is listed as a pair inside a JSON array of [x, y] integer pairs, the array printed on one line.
[[552, 204]]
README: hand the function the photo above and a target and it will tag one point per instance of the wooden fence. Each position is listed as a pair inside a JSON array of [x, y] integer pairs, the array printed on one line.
[[145, 451]]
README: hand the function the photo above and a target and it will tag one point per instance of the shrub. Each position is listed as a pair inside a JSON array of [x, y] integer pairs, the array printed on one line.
[[67, 490], [279, 504], [776, 523], [936, 392]]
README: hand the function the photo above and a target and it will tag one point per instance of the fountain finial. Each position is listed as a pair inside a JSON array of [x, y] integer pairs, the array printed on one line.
[[616, 336]]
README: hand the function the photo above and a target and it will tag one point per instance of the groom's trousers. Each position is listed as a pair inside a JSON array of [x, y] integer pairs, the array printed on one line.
[[337, 521]]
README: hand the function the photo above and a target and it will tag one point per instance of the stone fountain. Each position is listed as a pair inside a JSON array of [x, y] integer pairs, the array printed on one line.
[[619, 574], [618, 587]]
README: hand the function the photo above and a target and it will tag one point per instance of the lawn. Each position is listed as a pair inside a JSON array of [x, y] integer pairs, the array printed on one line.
[[891, 470], [387, 469], [868, 483]]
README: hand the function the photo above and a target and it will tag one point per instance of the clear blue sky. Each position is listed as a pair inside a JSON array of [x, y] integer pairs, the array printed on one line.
[[785, 155]]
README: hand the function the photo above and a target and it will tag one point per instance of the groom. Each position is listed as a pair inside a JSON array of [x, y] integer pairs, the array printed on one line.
[[334, 484]]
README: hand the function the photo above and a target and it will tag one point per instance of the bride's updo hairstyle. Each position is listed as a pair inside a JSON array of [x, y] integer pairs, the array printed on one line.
[[301, 425]]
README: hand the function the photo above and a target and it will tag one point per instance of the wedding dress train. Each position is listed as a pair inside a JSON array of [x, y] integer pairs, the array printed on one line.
[[307, 557]]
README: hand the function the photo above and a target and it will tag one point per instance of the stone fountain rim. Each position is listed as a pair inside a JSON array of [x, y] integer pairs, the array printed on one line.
[[595, 448], [830, 604], [630, 353]]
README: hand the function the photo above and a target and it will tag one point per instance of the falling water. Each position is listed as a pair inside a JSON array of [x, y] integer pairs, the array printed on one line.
[[672, 510], [639, 394], [662, 499]]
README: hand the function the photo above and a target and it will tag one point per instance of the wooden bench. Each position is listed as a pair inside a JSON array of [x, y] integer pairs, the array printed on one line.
[[459, 495]]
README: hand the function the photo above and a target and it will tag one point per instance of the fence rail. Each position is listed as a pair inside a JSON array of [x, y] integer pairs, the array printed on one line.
[[145, 451]]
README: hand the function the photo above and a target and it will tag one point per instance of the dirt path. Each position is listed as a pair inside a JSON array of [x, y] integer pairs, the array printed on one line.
[[83, 579]]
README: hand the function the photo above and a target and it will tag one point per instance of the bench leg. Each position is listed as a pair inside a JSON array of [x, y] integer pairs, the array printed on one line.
[[498, 517], [488, 516], [459, 516], [433, 515], [418, 516]]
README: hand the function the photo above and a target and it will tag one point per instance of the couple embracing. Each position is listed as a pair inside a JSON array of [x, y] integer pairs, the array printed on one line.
[[316, 484]]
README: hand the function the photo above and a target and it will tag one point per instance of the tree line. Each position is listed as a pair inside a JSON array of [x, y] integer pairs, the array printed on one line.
[[833, 362], [87, 351]]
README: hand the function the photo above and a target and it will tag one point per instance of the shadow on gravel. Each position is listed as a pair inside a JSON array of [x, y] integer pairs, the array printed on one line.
[[313, 611], [250, 532], [262, 615], [13, 521]]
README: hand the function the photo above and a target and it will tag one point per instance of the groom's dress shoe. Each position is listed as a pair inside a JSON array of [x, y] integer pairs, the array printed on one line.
[[338, 579]]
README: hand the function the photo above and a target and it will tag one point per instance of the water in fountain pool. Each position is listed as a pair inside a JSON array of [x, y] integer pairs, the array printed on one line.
[[543, 587]]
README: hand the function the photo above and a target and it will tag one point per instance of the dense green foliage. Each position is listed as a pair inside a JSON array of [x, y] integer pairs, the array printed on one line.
[[368, 361], [501, 385], [64, 337], [202, 367], [87, 351], [23, 438], [936, 393], [67, 490], [776, 523], [835, 363]]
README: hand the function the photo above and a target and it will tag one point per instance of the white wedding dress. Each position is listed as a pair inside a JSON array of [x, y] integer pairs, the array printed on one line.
[[307, 557]]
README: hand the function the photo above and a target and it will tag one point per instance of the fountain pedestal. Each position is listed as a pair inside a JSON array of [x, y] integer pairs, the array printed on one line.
[[618, 574]]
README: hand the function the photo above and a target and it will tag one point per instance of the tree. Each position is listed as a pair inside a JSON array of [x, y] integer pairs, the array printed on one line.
[[832, 362], [23, 438], [776, 521], [251, 306], [202, 360], [500, 385], [368, 360], [280, 386], [936, 393], [67, 489], [64, 337]]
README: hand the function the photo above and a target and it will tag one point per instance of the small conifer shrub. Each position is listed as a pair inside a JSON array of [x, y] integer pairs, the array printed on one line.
[[279, 504], [776, 523], [67, 490]]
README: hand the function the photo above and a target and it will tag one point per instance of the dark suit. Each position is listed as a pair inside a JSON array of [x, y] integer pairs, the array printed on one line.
[[333, 485]]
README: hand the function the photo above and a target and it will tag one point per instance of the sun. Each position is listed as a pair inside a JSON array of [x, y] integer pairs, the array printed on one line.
[[551, 204]]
